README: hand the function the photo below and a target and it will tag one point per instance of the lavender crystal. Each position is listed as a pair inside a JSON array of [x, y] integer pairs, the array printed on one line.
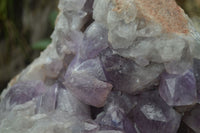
[[152, 114], [178, 90]]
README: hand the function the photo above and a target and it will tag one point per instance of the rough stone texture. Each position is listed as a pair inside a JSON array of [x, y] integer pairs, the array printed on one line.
[[112, 54], [166, 13]]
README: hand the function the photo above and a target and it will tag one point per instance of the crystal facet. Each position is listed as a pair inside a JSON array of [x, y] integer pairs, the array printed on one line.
[[152, 114], [178, 90], [126, 75]]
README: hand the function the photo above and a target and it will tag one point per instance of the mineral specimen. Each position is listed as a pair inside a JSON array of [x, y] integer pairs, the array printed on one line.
[[114, 66]]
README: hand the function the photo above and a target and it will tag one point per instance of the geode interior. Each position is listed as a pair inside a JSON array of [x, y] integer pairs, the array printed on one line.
[[114, 66]]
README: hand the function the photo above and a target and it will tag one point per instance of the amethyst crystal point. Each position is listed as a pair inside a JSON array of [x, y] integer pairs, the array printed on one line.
[[178, 90], [115, 113], [95, 41], [23, 92], [88, 89], [153, 115], [112, 118], [85, 76], [192, 119], [125, 75], [93, 68], [115, 118], [84, 80]]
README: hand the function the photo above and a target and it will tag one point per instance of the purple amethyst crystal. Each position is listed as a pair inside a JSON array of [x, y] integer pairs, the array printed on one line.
[[126, 75], [115, 112], [87, 82], [153, 115], [178, 90], [85, 77], [114, 118], [88, 89], [95, 40], [23, 92]]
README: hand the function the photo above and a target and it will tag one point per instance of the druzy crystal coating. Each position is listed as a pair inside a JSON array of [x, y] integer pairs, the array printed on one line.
[[114, 66]]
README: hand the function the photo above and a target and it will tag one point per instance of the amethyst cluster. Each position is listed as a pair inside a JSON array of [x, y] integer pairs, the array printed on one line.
[[111, 68]]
